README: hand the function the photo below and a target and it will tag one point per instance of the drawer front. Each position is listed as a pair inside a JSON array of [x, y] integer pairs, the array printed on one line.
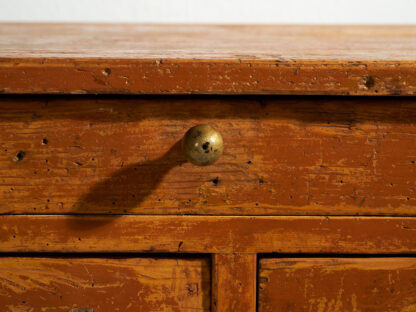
[[336, 284], [98, 284], [282, 156]]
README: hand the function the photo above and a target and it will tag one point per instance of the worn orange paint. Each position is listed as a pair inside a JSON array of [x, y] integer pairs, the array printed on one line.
[[336, 284], [282, 156], [207, 234], [104, 284], [157, 59], [234, 282]]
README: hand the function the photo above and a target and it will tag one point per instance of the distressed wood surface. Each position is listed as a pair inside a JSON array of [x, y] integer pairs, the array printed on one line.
[[130, 284], [207, 234], [234, 282], [188, 59], [334, 284], [282, 156]]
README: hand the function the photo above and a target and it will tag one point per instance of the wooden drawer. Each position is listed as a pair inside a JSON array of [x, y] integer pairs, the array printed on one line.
[[104, 284], [337, 284], [283, 156]]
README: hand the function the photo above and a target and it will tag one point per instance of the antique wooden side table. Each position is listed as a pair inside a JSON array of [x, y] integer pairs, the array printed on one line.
[[295, 192]]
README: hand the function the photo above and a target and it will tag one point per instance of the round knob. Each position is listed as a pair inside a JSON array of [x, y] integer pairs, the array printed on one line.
[[202, 145]]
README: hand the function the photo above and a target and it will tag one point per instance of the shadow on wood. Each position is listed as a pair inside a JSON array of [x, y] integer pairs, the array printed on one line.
[[132, 185]]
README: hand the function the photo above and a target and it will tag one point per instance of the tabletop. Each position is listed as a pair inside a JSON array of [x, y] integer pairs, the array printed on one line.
[[207, 59]]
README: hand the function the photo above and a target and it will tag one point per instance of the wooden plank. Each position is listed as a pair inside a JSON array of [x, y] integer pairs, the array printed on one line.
[[185, 59], [199, 234], [333, 284], [283, 156], [104, 285], [265, 42], [234, 282]]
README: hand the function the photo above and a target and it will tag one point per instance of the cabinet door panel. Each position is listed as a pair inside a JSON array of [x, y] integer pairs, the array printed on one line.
[[337, 284], [101, 285]]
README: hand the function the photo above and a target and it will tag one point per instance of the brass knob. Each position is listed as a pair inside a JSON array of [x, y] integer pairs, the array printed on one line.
[[202, 145]]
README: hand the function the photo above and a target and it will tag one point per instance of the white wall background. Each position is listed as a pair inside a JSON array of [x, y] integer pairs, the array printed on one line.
[[213, 11]]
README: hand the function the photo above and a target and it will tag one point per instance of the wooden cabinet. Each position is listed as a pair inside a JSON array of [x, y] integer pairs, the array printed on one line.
[[310, 207]]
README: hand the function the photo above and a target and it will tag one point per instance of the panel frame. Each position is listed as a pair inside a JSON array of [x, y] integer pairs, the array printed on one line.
[[233, 242], [207, 234]]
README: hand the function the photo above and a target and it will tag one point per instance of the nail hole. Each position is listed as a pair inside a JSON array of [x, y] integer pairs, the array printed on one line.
[[44, 141], [106, 71], [215, 181], [369, 82], [19, 156]]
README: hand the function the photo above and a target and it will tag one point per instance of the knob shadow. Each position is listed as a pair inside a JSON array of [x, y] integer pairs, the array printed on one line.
[[125, 189]]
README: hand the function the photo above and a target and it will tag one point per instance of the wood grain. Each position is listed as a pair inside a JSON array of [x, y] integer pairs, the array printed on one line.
[[207, 234], [234, 282], [129, 284], [189, 59], [141, 41], [334, 284], [283, 156]]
